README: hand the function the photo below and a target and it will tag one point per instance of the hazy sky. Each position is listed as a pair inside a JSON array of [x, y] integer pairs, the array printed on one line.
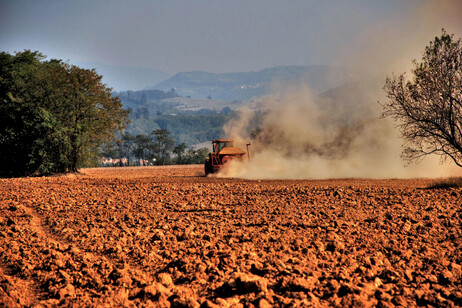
[[214, 35]]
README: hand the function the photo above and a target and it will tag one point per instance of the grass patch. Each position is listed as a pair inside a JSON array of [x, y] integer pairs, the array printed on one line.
[[447, 183]]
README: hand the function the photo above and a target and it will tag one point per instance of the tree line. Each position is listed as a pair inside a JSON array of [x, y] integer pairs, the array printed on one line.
[[54, 116], [187, 128], [156, 148]]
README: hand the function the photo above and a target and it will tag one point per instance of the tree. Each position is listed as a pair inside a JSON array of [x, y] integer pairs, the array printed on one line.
[[428, 108], [53, 116], [143, 144], [163, 144], [179, 152], [111, 150], [29, 139], [198, 156], [129, 143]]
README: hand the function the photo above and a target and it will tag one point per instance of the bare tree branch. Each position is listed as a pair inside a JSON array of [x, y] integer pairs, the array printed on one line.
[[428, 108]]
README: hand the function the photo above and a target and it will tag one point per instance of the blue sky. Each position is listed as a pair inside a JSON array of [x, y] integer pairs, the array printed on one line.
[[219, 36]]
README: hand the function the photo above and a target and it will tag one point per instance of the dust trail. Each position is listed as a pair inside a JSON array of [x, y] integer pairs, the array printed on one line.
[[339, 134], [304, 137]]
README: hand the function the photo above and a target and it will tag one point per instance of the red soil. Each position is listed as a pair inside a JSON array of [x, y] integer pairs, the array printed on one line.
[[168, 236]]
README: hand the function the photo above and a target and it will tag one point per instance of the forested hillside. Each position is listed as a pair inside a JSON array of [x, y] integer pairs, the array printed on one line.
[[188, 128], [190, 121]]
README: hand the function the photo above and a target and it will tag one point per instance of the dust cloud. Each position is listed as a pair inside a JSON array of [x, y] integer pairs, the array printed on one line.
[[301, 137], [339, 134]]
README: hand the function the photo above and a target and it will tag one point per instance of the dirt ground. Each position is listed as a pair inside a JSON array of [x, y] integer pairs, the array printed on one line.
[[170, 237]]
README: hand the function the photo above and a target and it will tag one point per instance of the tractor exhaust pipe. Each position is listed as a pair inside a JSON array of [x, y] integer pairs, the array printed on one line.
[[248, 152]]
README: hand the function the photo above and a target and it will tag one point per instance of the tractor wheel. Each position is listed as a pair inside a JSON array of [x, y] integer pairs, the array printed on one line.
[[208, 168]]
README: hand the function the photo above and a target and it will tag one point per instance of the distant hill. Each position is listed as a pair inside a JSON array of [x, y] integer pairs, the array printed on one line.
[[168, 102], [245, 85], [122, 78]]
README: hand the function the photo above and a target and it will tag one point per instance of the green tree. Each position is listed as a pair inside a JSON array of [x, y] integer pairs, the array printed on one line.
[[196, 156], [92, 114], [128, 145], [428, 108], [111, 150], [179, 151], [27, 129], [163, 145], [200, 156], [53, 116], [143, 146]]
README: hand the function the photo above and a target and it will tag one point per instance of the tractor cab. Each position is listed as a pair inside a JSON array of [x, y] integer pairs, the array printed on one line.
[[219, 144], [223, 151]]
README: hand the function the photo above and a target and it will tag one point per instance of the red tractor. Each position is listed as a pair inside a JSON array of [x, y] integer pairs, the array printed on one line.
[[223, 151]]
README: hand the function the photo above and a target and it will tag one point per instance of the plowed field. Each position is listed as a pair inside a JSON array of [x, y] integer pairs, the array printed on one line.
[[168, 236]]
